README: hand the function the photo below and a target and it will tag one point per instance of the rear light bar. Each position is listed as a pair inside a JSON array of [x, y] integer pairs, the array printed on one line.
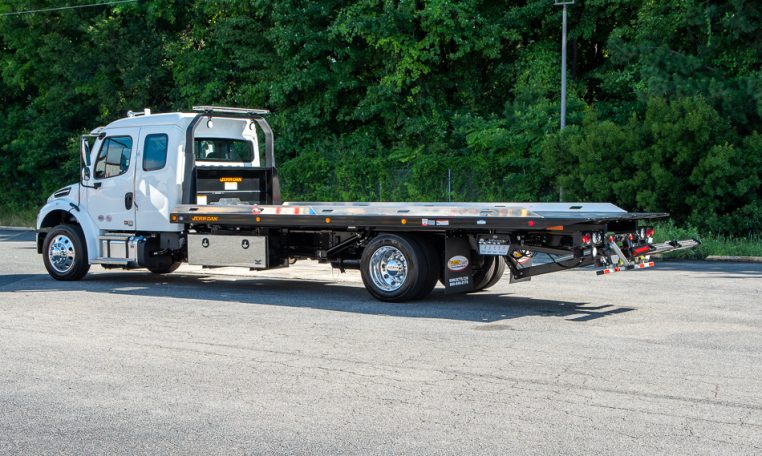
[[611, 270], [637, 251]]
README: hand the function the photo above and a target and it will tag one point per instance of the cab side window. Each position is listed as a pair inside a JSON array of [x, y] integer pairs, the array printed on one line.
[[114, 157], [155, 152]]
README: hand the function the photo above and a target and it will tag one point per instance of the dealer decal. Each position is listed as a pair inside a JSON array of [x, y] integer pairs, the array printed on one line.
[[457, 263], [205, 218], [231, 179], [459, 281], [435, 222]]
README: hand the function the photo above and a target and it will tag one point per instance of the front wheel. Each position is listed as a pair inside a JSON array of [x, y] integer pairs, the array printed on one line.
[[394, 268], [64, 253]]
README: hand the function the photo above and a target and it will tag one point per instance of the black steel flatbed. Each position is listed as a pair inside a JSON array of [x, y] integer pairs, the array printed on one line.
[[475, 217]]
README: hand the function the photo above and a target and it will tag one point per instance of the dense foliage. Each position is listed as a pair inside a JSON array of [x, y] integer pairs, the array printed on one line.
[[378, 100]]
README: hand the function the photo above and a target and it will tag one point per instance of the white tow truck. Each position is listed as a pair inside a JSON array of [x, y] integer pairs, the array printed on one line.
[[157, 190]]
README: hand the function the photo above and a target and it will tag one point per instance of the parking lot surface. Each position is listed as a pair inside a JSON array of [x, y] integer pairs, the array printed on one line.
[[303, 361]]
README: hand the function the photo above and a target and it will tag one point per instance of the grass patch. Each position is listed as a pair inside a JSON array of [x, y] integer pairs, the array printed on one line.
[[711, 244], [18, 217]]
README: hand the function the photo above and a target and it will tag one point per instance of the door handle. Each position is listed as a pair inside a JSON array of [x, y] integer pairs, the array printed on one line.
[[128, 199]]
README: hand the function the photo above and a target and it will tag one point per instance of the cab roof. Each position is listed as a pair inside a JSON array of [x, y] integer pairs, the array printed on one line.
[[180, 119]]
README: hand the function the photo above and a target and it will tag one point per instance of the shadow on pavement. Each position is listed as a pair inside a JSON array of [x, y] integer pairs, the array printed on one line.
[[17, 236], [313, 294], [727, 269]]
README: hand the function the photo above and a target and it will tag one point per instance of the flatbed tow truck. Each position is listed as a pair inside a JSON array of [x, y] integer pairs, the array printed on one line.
[[157, 190]]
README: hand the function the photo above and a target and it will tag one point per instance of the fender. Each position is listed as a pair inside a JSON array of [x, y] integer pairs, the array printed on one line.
[[79, 214]]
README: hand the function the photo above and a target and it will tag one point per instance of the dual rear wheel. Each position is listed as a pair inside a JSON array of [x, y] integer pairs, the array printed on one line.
[[490, 273], [397, 268]]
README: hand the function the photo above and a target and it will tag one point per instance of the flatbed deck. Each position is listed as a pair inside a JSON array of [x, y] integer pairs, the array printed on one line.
[[402, 216]]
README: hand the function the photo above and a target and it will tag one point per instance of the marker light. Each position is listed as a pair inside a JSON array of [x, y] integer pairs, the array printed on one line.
[[640, 250]]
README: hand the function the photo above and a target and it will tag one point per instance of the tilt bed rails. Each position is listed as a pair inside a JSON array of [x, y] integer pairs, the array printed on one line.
[[158, 190]]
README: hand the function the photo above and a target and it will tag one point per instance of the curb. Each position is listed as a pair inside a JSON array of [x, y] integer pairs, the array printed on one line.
[[16, 228], [735, 259]]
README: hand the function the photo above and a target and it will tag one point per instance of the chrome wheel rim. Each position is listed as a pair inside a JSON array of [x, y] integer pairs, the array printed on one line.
[[61, 254], [388, 268]]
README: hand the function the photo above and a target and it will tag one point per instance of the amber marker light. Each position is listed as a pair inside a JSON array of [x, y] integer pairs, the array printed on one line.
[[328, 220], [403, 221], [258, 219]]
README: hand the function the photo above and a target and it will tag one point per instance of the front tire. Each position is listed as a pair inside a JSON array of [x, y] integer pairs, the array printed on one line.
[[64, 253], [394, 269]]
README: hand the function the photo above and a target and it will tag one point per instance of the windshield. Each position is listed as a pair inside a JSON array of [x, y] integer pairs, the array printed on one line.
[[223, 149]]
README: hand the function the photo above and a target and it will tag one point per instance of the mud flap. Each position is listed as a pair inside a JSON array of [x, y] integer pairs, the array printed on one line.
[[516, 265], [458, 277]]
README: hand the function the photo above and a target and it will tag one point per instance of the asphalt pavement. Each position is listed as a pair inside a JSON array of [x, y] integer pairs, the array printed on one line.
[[302, 361]]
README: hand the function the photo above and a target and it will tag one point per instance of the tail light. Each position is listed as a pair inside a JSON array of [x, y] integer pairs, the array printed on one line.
[[586, 238], [650, 232], [640, 250]]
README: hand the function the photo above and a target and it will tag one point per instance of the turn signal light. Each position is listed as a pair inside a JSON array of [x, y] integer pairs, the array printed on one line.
[[640, 250]]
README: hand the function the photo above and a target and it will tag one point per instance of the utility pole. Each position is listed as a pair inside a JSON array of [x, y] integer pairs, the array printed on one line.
[[563, 3], [449, 184]]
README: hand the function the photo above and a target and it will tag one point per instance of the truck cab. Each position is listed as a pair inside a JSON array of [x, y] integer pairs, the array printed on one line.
[[135, 170]]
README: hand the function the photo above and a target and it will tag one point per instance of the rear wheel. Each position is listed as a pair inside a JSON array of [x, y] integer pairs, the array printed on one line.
[[64, 253], [497, 273], [432, 269], [491, 272], [394, 269], [165, 267]]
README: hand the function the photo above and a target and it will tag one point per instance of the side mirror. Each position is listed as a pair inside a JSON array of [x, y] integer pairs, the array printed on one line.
[[84, 163], [84, 151]]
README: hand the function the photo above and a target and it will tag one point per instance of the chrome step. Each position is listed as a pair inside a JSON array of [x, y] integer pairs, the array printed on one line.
[[116, 249], [113, 261], [114, 237]]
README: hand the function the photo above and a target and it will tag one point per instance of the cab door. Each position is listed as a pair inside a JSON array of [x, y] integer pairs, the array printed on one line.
[[157, 188], [111, 203]]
